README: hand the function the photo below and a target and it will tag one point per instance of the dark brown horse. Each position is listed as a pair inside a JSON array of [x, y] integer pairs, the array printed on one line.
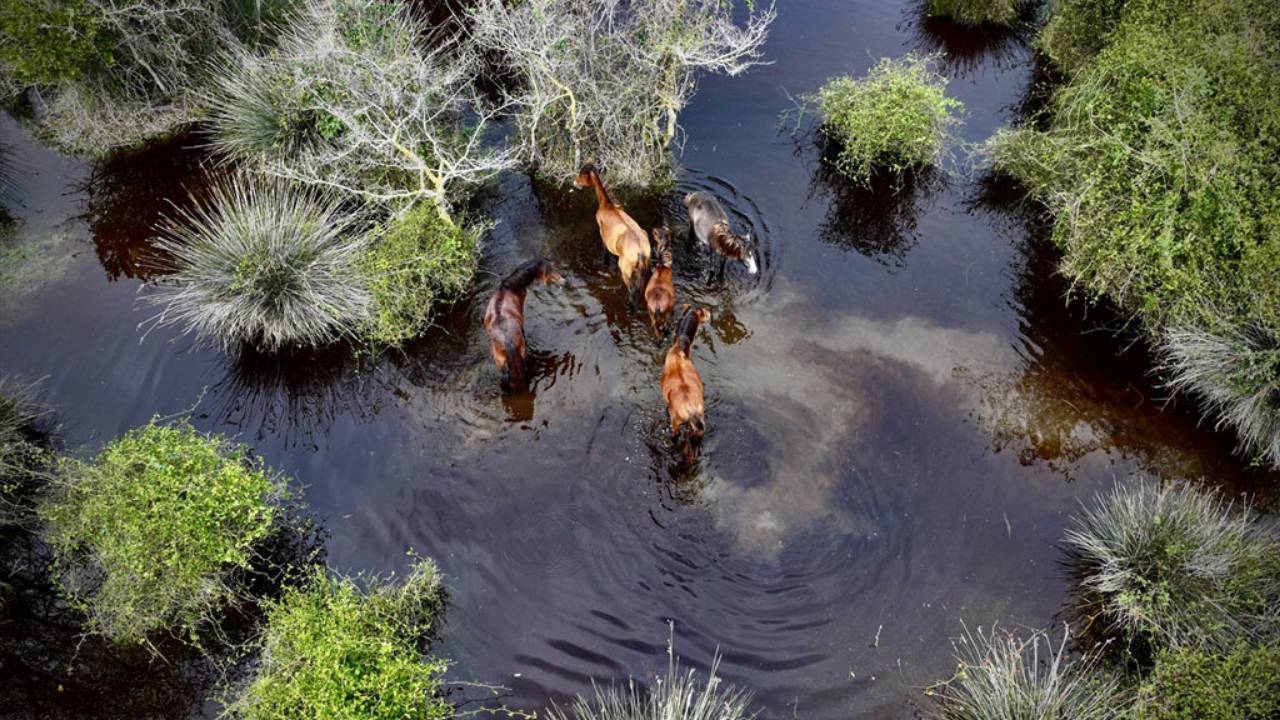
[[504, 320], [660, 292], [681, 384], [622, 235], [711, 225]]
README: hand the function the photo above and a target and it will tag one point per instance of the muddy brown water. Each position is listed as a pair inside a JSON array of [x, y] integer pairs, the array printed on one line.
[[903, 409]]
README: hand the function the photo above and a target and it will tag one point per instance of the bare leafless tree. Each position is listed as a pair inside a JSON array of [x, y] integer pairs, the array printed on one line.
[[607, 79]]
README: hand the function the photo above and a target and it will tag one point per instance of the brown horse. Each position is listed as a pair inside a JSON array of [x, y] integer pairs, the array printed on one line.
[[504, 320], [621, 234], [660, 292], [711, 225], [681, 384]]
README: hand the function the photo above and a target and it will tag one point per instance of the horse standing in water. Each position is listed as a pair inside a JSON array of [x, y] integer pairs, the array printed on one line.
[[711, 224], [504, 320], [681, 384], [622, 235], [660, 292]]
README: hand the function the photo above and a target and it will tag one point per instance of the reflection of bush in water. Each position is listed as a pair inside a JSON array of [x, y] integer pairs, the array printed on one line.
[[963, 50], [877, 219], [128, 195]]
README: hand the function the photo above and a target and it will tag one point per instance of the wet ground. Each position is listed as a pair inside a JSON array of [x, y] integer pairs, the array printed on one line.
[[903, 409]]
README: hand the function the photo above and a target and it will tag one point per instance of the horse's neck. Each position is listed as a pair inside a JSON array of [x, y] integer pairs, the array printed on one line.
[[602, 196], [519, 281]]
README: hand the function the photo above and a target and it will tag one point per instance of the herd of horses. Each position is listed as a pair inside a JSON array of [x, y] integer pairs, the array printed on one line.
[[645, 268]]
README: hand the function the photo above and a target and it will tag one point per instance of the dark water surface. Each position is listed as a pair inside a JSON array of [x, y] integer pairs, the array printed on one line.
[[903, 410]]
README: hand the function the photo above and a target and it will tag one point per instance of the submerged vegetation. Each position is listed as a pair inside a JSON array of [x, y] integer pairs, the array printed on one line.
[[149, 536], [1004, 677], [334, 650], [606, 81], [896, 118], [1159, 158]]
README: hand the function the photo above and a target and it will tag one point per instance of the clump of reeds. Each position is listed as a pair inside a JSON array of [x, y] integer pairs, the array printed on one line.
[[263, 264], [1004, 677]]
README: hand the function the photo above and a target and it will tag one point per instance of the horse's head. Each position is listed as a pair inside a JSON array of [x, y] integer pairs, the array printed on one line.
[[584, 176], [749, 255], [548, 273], [662, 244]]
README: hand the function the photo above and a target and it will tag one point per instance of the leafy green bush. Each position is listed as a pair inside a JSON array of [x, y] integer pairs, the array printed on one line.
[[976, 12], [1160, 159], [1172, 566], [263, 264], [332, 651], [150, 534], [1077, 30], [895, 118], [416, 261], [1004, 677], [1243, 684], [45, 41]]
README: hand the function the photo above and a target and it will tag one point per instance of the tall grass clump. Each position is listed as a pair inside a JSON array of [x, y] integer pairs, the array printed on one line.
[[151, 535], [1174, 566], [1004, 677], [1160, 159], [606, 80], [262, 264], [1236, 376], [895, 118], [26, 460], [353, 99], [1186, 684], [678, 695], [415, 261], [974, 13], [331, 650]]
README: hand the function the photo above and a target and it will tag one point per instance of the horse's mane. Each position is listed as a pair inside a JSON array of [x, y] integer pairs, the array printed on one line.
[[608, 194], [730, 238], [662, 251], [520, 278]]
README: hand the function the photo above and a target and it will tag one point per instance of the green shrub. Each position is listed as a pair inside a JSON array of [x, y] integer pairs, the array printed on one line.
[[415, 262], [263, 264], [1077, 30], [1160, 158], [976, 12], [895, 118], [45, 41], [331, 651], [1172, 566], [1004, 677], [150, 534], [1243, 684]]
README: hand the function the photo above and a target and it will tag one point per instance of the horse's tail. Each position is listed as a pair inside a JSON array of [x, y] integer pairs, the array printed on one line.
[[513, 369]]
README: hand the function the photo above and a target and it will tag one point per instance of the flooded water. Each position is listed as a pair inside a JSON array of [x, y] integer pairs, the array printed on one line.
[[903, 410]]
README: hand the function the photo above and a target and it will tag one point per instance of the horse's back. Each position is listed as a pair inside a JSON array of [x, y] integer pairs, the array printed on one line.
[[705, 212]]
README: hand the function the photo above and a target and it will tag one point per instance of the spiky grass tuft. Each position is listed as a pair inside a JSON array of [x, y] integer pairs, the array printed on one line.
[[265, 265], [676, 696], [25, 459], [1171, 565], [975, 13], [1004, 677], [1237, 377]]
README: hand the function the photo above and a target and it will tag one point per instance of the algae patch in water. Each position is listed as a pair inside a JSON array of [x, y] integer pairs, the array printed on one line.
[[30, 261]]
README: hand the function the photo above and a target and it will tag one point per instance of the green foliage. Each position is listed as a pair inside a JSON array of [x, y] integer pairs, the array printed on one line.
[[416, 261], [1172, 566], [1243, 684], [263, 264], [331, 651], [1161, 158], [895, 118], [148, 536], [44, 41], [976, 12], [1004, 677], [1077, 30]]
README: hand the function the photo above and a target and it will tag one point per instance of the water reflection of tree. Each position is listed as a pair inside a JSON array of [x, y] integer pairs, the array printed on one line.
[[127, 196], [879, 219], [963, 50]]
